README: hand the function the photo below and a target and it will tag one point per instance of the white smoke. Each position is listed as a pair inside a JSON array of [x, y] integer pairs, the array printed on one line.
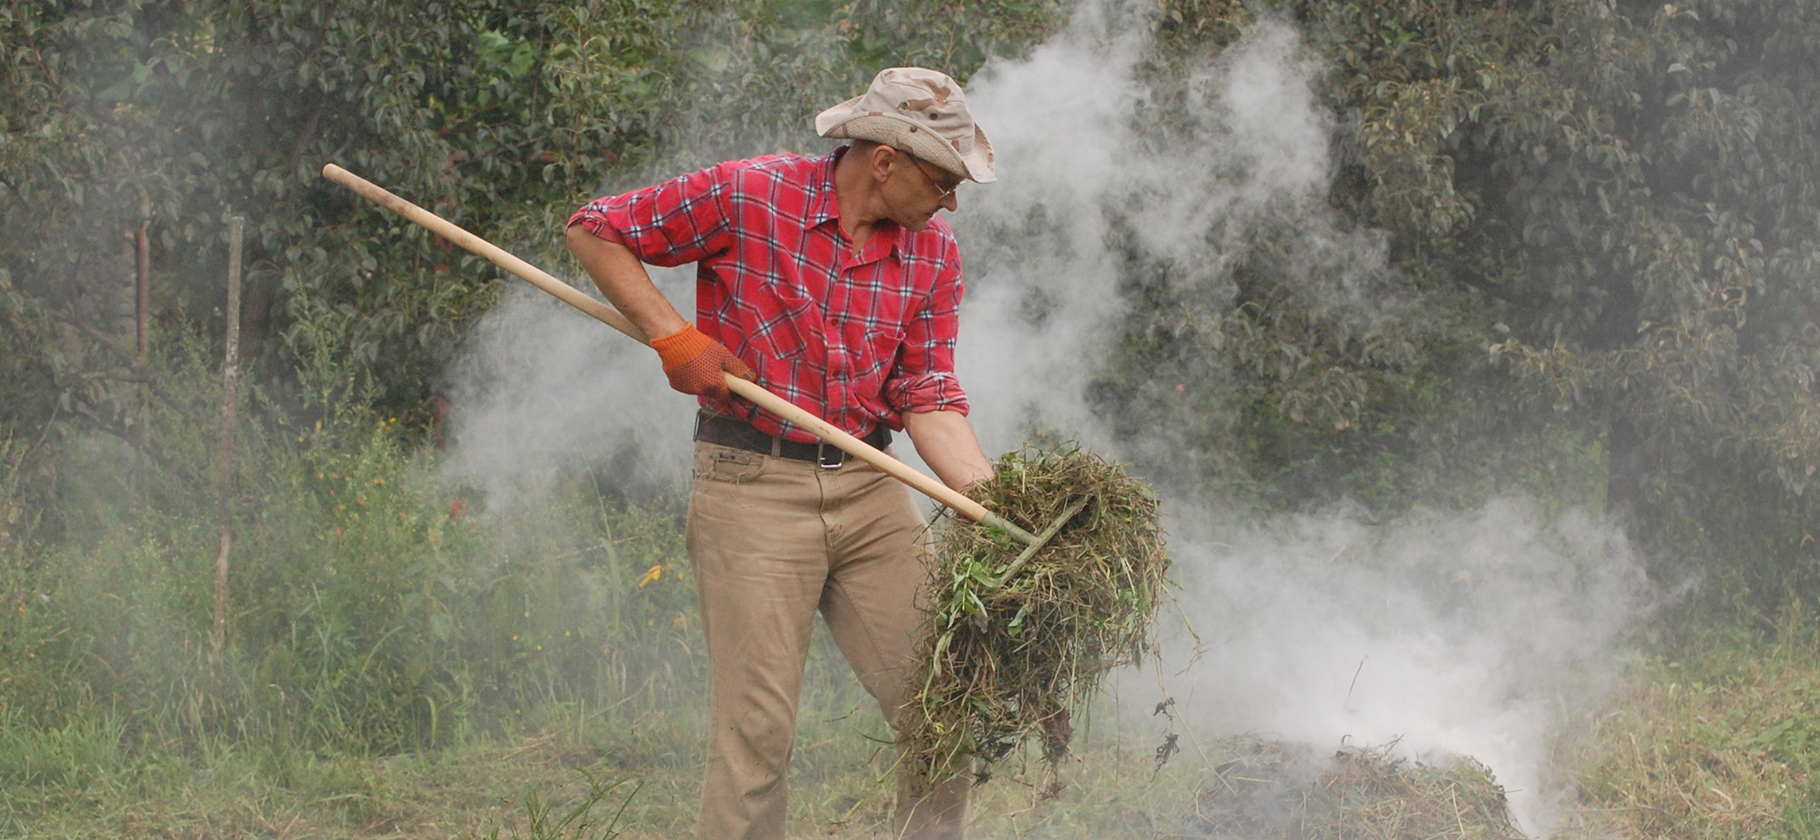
[[1469, 635], [1463, 635], [1043, 274], [1466, 635], [541, 388]]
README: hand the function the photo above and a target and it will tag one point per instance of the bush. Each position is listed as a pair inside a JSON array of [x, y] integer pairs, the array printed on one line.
[[373, 607]]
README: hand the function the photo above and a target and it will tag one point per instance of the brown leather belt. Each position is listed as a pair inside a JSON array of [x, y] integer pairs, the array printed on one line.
[[738, 434]]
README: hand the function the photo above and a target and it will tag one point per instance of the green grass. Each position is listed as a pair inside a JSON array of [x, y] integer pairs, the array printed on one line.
[[405, 663], [425, 675], [1716, 737], [398, 666], [481, 786], [378, 618]]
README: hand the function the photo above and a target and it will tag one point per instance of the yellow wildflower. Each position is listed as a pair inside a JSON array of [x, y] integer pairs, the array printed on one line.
[[651, 575]]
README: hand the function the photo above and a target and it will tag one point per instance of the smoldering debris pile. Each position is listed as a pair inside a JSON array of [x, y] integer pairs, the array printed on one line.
[[1278, 791], [1008, 650]]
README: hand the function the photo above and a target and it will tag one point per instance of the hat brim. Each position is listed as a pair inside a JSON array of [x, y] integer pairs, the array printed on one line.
[[842, 122]]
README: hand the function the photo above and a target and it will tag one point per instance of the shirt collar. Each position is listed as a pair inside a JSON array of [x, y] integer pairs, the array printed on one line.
[[821, 208], [887, 237]]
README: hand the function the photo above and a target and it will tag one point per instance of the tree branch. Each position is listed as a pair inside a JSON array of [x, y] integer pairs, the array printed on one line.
[[139, 373], [1466, 276]]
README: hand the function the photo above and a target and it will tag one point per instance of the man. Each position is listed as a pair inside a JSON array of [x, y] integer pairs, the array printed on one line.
[[831, 282]]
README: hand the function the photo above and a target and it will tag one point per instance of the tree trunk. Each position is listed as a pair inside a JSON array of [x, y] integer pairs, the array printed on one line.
[[1624, 465]]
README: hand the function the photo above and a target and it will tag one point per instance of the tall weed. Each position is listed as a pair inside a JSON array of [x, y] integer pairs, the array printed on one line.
[[1716, 738], [373, 608]]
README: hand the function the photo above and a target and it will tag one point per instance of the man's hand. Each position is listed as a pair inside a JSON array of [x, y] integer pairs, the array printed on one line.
[[694, 362]]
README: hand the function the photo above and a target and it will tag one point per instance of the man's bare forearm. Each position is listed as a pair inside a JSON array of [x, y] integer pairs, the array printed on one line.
[[622, 278], [946, 443]]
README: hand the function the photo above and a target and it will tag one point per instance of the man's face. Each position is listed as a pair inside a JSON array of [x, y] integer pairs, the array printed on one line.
[[917, 189]]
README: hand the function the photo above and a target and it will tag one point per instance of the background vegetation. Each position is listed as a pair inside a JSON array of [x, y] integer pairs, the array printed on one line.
[[1609, 212]]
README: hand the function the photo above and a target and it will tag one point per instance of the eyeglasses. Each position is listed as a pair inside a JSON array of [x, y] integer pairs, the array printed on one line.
[[934, 181]]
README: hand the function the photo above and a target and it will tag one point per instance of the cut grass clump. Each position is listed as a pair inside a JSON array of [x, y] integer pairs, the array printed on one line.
[[1278, 791], [1008, 650]]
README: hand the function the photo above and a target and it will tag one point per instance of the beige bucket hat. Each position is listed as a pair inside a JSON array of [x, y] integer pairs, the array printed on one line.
[[920, 111]]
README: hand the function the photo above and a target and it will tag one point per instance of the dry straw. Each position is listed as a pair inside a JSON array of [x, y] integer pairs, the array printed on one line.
[[1009, 649], [1278, 791]]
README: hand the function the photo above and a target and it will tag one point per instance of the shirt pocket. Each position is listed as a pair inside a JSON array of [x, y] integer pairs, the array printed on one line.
[[783, 323], [878, 353]]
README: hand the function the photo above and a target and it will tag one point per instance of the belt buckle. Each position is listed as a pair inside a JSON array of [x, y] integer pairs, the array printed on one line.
[[823, 452]]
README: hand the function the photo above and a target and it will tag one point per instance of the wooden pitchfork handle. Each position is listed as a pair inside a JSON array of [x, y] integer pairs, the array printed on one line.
[[611, 317]]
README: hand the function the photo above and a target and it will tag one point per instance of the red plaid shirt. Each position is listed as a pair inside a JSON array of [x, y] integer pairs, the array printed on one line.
[[857, 340]]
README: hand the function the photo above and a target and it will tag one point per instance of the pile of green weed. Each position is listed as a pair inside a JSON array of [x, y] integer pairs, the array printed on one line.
[[1007, 649], [1277, 791]]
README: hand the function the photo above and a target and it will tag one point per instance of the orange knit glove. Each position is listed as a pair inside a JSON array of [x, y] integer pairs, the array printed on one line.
[[693, 361]]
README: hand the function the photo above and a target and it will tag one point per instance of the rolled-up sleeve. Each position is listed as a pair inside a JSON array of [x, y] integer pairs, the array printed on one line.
[[923, 379], [680, 221]]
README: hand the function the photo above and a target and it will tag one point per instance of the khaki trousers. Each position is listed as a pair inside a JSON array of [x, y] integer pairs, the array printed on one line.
[[772, 541]]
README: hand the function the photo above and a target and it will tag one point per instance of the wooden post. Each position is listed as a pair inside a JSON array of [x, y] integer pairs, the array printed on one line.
[[230, 372], [142, 278], [142, 313]]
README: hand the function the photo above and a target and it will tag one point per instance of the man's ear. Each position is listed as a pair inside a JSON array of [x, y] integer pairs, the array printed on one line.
[[879, 162]]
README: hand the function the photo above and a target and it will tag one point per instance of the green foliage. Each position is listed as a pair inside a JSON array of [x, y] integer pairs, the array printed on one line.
[[372, 609], [489, 112], [1593, 229], [1715, 738], [1632, 194], [1313, 361], [500, 116], [83, 753], [1618, 200], [578, 822]]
